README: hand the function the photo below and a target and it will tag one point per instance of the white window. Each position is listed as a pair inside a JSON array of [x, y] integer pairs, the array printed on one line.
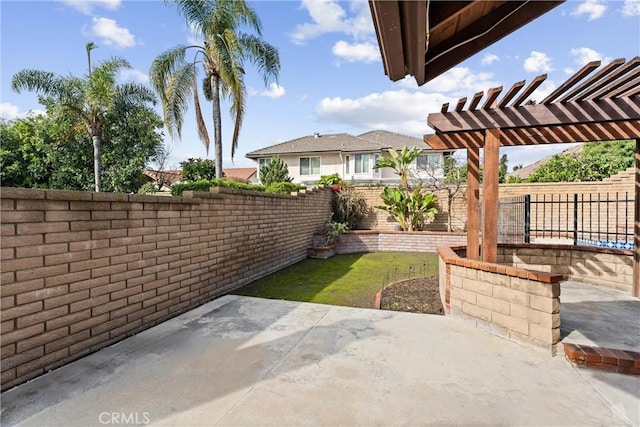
[[346, 165], [375, 161], [429, 161], [263, 162], [309, 165], [362, 163]]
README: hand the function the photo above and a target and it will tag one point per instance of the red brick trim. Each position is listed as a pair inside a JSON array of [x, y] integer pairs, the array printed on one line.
[[604, 359], [450, 257], [419, 233]]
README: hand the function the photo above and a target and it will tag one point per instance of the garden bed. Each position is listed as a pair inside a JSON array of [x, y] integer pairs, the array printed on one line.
[[417, 295]]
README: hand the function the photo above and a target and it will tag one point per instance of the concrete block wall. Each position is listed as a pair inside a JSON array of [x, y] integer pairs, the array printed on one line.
[[515, 303], [597, 266], [396, 241], [622, 183], [81, 271]]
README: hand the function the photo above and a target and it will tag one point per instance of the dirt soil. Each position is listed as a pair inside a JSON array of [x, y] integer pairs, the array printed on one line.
[[419, 295]]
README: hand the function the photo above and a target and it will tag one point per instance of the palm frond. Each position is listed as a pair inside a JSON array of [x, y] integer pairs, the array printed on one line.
[[178, 93], [42, 82], [262, 54], [202, 128]]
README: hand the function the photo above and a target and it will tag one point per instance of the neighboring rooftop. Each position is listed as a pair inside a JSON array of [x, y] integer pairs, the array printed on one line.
[[242, 173], [377, 140], [526, 171]]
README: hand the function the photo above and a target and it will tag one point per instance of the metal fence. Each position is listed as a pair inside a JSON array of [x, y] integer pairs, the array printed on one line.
[[602, 220], [427, 269]]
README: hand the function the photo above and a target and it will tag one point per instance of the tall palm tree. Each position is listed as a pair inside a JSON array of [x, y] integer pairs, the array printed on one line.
[[221, 58], [89, 98]]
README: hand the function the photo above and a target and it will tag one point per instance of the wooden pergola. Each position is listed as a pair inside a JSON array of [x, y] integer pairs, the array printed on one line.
[[595, 104]]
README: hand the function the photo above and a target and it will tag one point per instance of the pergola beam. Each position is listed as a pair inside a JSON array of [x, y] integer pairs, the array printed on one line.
[[610, 131], [490, 195], [587, 112], [473, 203], [636, 234]]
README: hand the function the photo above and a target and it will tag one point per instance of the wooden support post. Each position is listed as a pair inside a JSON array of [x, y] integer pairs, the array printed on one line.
[[490, 195], [636, 232], [473, 203]]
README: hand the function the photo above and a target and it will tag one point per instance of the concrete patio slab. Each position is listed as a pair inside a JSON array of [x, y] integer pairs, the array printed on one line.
[[598, 316], [250, 361]]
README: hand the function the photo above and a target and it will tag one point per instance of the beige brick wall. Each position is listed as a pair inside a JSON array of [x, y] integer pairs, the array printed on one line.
[[596, 266], [81, 271], [379, 220]]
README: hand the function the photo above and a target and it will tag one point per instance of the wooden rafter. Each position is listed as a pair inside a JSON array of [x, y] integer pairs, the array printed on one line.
[[604, 106]]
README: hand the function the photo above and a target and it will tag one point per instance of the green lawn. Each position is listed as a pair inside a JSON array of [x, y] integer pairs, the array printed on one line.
[[350, 280]]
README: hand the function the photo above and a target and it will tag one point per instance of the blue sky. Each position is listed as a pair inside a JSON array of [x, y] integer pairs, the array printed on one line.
[[332, 79]]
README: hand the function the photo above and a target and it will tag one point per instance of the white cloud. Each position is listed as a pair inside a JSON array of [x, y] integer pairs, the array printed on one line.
[[568, 71], [594, 9], [399, 111], [111, 34], [543, 91], [328, 16], [86, 6], [537, 62], [356, 52], [583, 55], [275, 91], [460, 81], [631, 8], [489, 59], [9, 111], [136, 75]]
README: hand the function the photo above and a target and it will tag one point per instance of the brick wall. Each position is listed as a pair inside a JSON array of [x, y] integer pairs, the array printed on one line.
[[518, 304], [596, 266], [622, 183], [393, 241], [81, 271]]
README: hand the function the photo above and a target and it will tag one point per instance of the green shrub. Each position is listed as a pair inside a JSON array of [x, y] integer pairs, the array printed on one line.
[[349, 207], [330, 179], [198, 169], [148, 187], [206, 184], [274, 171], [284, 188]]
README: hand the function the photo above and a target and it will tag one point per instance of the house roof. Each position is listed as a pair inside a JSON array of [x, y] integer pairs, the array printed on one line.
[[394, 140], [170, 176], [377, 140], [524, 172], [242, 173]]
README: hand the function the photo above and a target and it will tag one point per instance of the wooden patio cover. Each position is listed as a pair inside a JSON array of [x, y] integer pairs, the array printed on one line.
[[595, 104]]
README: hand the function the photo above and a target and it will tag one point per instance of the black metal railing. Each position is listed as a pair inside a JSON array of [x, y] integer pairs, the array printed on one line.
[[603, 220]]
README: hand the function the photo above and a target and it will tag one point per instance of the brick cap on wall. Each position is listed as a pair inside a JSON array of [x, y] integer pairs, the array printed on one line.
[[408, 233], [449, 256]]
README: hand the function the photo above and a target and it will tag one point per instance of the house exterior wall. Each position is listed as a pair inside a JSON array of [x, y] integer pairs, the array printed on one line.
[[331, 163], [81, 271]]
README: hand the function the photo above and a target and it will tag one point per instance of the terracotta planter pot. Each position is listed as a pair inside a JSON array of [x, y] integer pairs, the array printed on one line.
[[321, 252]]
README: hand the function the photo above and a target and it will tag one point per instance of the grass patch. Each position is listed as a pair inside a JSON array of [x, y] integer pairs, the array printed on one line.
[[349, 280]]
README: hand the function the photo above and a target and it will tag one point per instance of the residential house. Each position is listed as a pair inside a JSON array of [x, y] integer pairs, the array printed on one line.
[[247, 175], [351, 157]]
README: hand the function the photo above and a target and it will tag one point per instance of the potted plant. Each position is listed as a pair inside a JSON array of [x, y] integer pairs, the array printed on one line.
[[331, 230]]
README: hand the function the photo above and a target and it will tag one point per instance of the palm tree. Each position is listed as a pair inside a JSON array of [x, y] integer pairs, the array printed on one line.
[[399, 162], [221, 58], [88, 99]]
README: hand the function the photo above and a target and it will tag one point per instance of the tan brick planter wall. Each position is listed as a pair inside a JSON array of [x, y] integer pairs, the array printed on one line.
[[515, 303], [396, 241], [597, 266], [81, 271]]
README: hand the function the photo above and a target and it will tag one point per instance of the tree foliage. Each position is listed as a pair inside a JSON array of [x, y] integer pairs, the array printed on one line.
[[221, 59], [274, 171], [53, 150], [197, 169], [93, 100], [410, 208], [596, 161]]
